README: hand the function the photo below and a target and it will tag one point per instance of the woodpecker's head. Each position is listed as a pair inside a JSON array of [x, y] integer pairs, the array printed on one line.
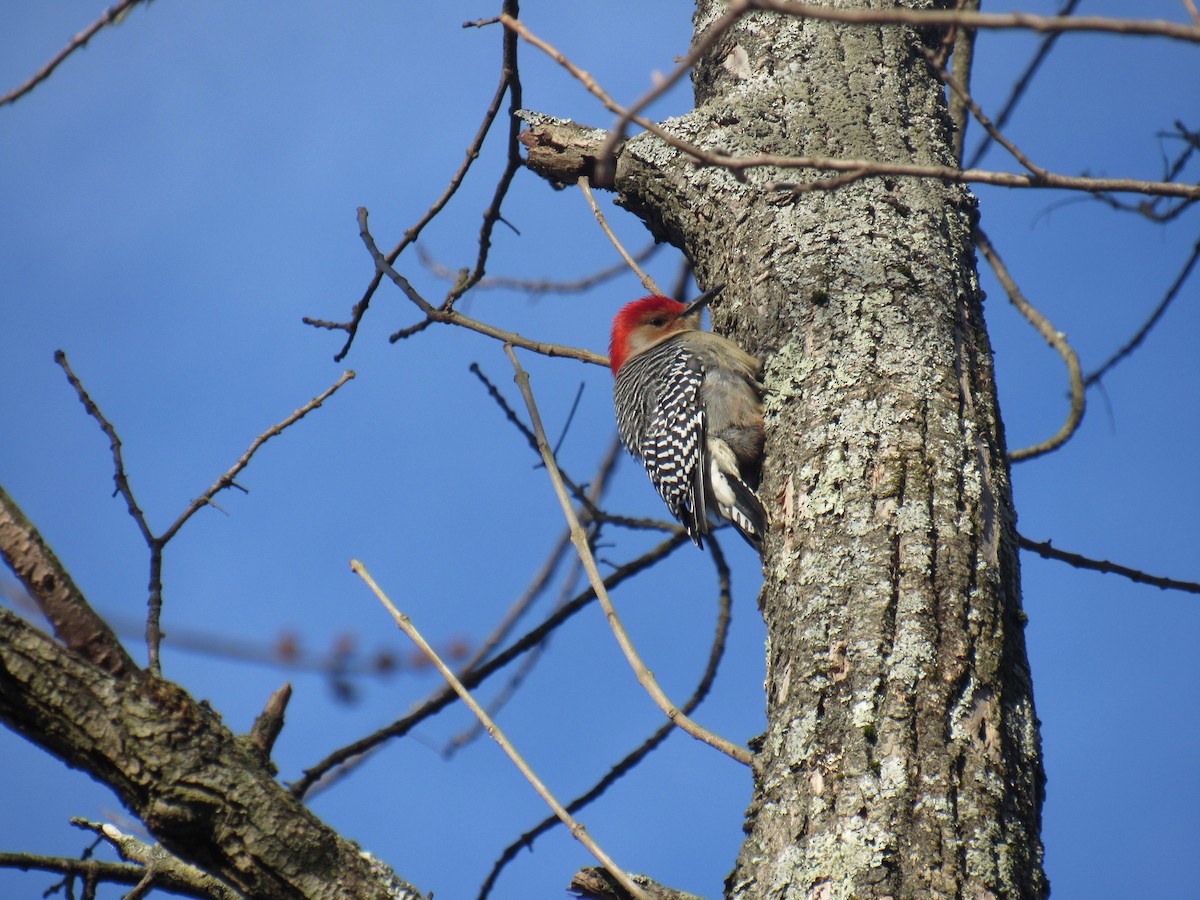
[[644, 323]]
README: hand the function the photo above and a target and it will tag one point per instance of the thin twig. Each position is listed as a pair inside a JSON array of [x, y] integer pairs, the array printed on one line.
[[156, 543], [576, 490], [454, 317], [509, 81], [1149, 208], [724, 605], [229, 478], [644, 676], [540, 582], [538, 286], [159, 866], [344, 758], [1022, 83], [1137, 339], [113, 15], [1047, 551], [647, 281], [493, 214], [576, 828], [960, 91], [1056, 339], [119, 476]]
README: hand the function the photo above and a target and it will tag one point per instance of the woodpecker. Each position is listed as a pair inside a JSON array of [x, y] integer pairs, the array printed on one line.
[[689, 406]]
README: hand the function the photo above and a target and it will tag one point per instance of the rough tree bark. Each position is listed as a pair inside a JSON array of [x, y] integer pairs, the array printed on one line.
[[902, 755]]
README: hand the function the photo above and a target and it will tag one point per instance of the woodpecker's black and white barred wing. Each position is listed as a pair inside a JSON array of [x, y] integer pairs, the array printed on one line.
[[661, 421]]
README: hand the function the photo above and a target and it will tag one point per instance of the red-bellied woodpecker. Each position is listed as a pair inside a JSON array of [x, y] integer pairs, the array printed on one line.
[[689, 406]]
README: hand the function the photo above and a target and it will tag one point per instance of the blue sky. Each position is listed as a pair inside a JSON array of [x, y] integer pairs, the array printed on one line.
[[182, 192]]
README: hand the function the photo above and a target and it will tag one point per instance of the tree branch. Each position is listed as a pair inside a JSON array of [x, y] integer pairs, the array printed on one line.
[[156, 543], [995, 21], [206, 794], [1045, 550], [454, 317], [93, 872], [445, 697], [647, 282], [576, 828], [1133, 343], [1055, 338], [112, 16], [61, 602], [158, 867], [228, 480], [1021, 84], [509, 81], [596, 884], [724, 603]]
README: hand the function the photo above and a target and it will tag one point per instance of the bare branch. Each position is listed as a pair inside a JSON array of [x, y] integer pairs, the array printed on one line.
[[606, 167], [154, 602], [576, 828], [157, 543], [112, 16], [269, 722], [94, 871], [538, 286], [1149, 208], [166, 757], [962, 59], [509, 82], [963, 95], [119, 477], [1055, 338], [644, 676], [1136, 340], [724, 603], [228, 480], [321, 772], [159, 868], [647, 281], [60, 601], [596, 884], [1047, 551], [454, 317], [1022, 83]]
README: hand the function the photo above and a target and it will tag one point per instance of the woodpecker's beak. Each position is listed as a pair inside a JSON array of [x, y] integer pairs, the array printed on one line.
[[700, 302]]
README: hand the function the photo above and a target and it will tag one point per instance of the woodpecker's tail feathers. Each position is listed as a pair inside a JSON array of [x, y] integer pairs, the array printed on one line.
[[695, 520], [735, 500], [747, 513]]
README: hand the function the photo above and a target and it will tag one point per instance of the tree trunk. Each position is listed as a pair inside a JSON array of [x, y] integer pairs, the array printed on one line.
[[902, 756]]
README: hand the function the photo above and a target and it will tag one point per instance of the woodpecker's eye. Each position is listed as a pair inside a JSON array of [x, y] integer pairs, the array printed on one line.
[[658, 321]]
